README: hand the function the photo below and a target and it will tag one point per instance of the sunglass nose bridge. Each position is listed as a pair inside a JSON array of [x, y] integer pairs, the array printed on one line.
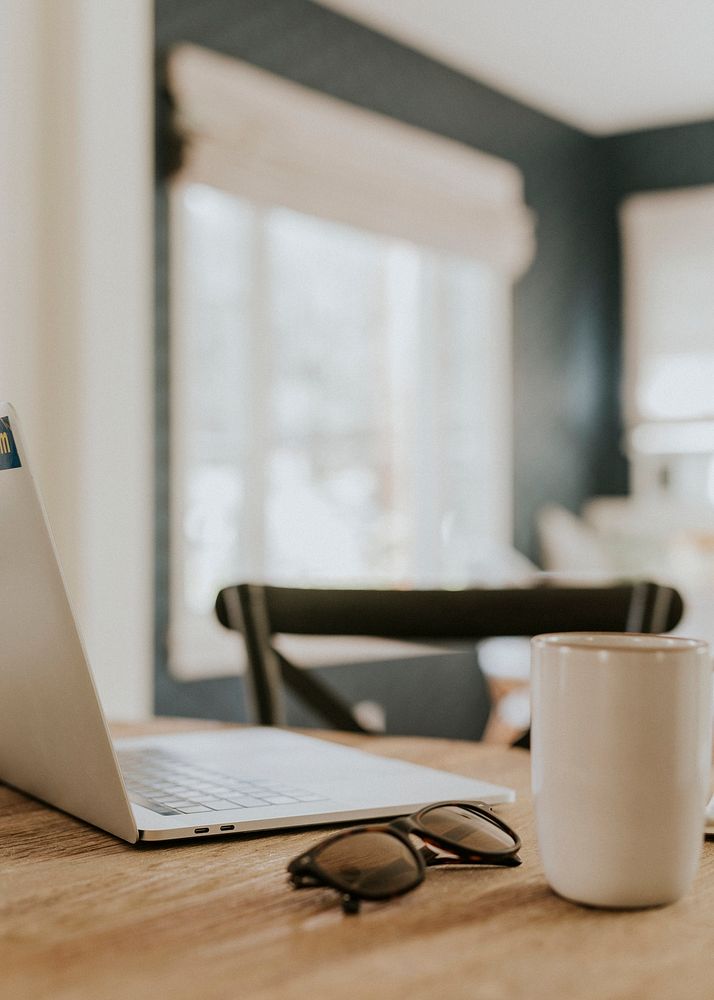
[[427, 853]]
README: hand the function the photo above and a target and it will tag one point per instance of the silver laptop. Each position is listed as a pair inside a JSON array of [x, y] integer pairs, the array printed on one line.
[[54, 742]]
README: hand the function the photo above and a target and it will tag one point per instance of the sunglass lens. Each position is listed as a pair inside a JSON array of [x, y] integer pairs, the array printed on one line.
[[467, 829], [373, 863]]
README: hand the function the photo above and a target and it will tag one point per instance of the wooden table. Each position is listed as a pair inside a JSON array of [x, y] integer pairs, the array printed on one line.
[[83, 915]]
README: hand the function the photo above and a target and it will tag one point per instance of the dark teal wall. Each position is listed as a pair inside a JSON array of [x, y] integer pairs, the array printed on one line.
[[654, 159], [566, 308]]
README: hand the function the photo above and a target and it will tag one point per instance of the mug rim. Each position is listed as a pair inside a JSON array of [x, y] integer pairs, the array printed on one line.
[[619, 642]]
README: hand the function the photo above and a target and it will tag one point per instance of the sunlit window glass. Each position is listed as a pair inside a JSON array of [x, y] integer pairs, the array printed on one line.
[[341, 405]]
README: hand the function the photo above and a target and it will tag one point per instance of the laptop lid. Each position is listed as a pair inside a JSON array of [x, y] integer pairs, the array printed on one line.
[[54, 741]]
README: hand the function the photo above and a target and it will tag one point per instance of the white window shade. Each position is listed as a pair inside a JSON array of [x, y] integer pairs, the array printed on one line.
[[668, 241], [256, 135]]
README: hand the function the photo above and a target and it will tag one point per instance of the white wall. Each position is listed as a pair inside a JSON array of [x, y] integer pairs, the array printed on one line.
[[76, 321]]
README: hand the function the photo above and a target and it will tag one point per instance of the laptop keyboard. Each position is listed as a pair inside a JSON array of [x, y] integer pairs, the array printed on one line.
[[168, 784]]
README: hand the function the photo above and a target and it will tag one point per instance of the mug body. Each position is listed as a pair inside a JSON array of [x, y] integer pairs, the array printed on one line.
[[621, 757]]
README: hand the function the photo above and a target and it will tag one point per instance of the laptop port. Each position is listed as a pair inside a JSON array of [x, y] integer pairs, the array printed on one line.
[[201, 829], [228, 826]]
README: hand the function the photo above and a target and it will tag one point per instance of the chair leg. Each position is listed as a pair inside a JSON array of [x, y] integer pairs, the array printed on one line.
[[264, 669], [316, 694]]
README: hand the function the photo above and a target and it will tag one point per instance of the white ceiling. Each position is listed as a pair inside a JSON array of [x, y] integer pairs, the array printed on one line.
[[602, 65]]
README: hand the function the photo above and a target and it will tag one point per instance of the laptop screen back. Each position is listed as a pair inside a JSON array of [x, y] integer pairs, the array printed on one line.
[[53, 738]]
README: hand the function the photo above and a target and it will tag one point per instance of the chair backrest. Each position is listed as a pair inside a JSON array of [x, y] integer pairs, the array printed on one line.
[[262, 612]]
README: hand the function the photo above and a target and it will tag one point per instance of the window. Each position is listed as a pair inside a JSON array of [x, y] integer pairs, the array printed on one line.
[[341, 398], [669, 320]]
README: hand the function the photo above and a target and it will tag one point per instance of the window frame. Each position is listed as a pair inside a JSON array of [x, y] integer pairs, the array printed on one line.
[[481, 211]]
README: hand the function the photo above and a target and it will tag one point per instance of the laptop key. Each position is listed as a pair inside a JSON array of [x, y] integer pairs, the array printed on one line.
[[169, 785], [158, 807]]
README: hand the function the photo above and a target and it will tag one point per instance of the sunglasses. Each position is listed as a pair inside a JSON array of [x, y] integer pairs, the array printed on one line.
[[379, 862]]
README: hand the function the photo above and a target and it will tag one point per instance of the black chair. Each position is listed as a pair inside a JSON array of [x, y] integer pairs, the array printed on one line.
[[261, 613]]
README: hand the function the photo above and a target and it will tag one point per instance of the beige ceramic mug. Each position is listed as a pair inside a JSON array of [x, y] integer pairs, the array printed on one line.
[[621, 757]]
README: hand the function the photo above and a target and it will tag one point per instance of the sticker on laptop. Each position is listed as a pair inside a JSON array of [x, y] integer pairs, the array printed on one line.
[[9, 458]]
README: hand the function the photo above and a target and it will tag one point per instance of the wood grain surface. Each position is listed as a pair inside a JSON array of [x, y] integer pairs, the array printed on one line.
[[83, 915]]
